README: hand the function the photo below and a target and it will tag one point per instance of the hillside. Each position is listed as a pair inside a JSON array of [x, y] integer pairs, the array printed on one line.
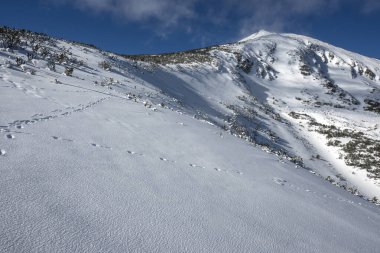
[[270, 144]]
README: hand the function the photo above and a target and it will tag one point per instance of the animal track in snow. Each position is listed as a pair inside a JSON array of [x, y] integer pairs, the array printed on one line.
[[28, 89], [134, 153], [2, 152], [40, 118], [100, 146], [215, 168], [166, 160], [194, 165], [283, 182], [226, 171], [10, 136], [279, 181], [61, 139]]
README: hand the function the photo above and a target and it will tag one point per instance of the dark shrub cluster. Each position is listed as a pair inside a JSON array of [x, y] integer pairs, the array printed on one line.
[[372, 105]]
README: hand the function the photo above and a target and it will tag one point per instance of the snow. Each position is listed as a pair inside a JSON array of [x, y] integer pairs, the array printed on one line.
[[259, 34], [87, 168], [290, 84]]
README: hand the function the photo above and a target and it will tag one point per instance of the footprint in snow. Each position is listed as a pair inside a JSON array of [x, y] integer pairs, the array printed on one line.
[[226, 171], [100, 146], [166, 160], [61, 139], [2, 152], [279, 181], [133, 153], [19, 126], [194, 165], [10, 136]]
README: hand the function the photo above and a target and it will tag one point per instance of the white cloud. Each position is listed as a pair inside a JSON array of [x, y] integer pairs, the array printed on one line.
[[250, 15], [166, 12], [278, 15]]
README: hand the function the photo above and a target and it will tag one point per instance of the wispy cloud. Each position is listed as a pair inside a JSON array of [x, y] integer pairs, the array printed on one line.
[[371, 6], [166, 12], [250, 15], [281, 15]]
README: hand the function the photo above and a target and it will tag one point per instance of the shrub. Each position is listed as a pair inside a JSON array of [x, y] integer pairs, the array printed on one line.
[[373, 106], [69, 71], [61, 58], [30, 56], [19, 61], [305, 70], [10, 38], [370, 74], [51, 65], [105, 65]]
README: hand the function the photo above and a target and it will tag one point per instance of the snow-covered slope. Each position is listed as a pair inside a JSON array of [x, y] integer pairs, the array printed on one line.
[[213, 150]]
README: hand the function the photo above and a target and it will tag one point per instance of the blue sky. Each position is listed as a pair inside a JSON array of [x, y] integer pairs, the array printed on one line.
[[157, 26]]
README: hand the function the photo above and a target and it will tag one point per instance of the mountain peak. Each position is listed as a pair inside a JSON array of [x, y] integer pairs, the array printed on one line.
[[260, 33]]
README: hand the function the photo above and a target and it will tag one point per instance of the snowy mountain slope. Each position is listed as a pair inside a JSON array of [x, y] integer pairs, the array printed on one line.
[[276, 90], [137, 156]]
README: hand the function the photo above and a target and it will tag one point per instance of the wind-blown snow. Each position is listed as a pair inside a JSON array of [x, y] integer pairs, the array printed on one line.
[[257, 35], [127, 167]]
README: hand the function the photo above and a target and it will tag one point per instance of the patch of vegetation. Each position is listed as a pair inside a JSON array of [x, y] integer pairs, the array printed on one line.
[[106, 65], [37, 46], [262, 69], [245, 65], [342, 94], [359, 150], [373, 106], [305, 70], [190, 56], [20, 61], [69, 71], [295, 115], [10, 38], [15, 38], [369, 73], [334, 143]]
